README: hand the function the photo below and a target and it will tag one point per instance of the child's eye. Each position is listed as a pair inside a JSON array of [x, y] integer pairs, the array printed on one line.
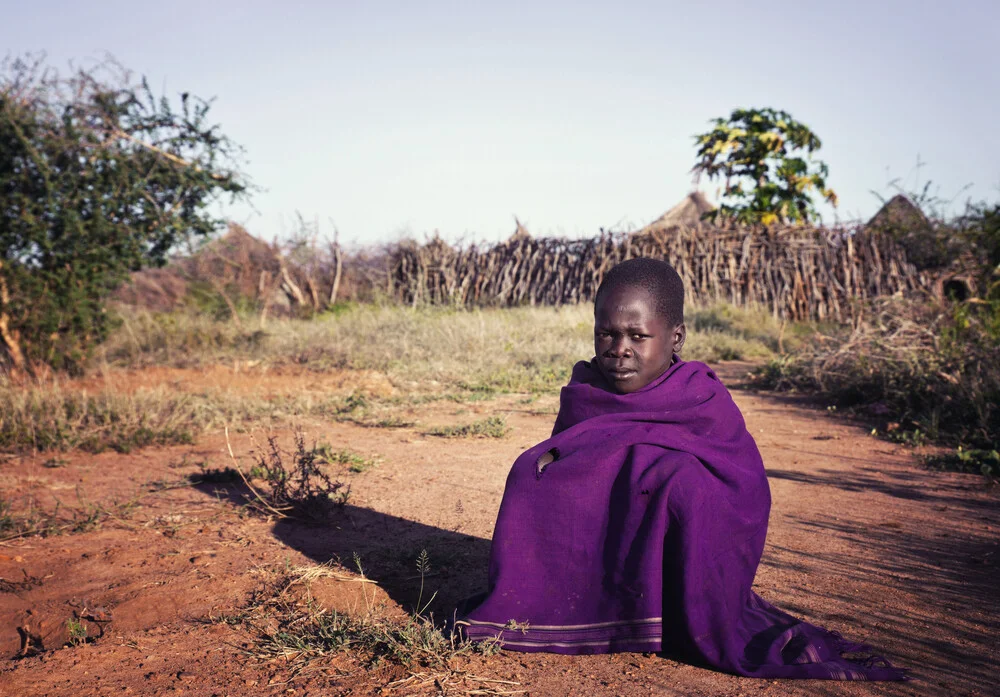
[[638, 337]]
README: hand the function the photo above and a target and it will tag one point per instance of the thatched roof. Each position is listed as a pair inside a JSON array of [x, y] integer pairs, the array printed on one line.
[[520, 232], [899, 214], [237, 258], [926, 247], [688, 212]]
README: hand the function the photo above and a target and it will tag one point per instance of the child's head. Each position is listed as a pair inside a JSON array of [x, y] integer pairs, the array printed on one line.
[[638, 322]]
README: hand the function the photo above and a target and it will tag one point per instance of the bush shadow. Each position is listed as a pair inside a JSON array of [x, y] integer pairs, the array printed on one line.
[[910, 484], [938, 585]]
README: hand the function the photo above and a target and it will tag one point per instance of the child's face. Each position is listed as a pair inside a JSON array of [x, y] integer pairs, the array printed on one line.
[[634, 344]]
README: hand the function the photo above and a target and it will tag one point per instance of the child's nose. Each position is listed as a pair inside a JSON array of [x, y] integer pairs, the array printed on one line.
[[619, 347]]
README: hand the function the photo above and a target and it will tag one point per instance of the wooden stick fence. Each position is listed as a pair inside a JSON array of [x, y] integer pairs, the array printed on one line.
[[797, 273]]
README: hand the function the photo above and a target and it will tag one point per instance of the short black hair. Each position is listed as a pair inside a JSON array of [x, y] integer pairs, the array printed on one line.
[[656, 277]]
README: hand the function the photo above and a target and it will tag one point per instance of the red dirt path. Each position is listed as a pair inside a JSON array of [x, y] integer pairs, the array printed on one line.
[[862, 539]]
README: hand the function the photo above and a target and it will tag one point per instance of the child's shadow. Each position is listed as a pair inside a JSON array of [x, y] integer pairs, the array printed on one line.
[[388, 549]]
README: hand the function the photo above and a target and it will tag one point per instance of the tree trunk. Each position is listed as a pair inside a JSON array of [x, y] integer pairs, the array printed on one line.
[[11, 337], [338, 264]]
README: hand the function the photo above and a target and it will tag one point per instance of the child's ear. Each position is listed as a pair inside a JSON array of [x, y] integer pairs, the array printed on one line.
[[680, 334]]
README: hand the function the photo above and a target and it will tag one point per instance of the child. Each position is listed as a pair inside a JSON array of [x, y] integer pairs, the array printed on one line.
[[639, 524]]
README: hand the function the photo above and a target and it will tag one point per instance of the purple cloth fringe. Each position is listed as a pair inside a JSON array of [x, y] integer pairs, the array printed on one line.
[[644, 533]]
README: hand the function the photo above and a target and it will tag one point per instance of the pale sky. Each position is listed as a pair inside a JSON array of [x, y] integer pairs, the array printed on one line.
[[391, 118]]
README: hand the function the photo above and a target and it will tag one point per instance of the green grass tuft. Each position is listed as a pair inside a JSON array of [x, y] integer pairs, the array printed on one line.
[[490, 427], [355, 462]]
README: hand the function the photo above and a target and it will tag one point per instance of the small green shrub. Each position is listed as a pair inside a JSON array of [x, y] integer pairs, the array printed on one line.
[[490, 427], [984, 462], [77, 631], [295, 488]]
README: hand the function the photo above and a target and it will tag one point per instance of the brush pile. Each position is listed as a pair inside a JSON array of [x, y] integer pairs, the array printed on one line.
[[797, 273], [924, 371]]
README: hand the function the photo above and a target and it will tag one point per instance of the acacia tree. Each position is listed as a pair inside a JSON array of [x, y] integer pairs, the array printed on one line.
[[759, 155], [98, 178]]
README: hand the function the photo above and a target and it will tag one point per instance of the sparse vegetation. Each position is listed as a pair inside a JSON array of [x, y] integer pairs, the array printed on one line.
[[25, 517], [54, 416], [287, 624], [48, 417], [77, 631], [977, 461], [524, 350], [405, 344], [925, 370], [490, 427], [919, 371], [355, 462], [217, 475], [298, 488], [726, 333], [515, 350]]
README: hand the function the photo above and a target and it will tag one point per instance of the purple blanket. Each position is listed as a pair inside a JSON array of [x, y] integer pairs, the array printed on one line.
[[644, 533]]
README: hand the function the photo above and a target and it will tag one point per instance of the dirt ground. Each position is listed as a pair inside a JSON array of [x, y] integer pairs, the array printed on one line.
[[863, 539]]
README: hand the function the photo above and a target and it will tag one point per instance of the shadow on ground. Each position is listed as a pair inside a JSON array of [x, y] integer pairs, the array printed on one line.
[[931, 587], [388, 548], [938, 582], [909, 484]]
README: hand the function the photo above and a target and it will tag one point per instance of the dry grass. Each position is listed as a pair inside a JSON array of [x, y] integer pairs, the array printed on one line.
[[426, 353], [518, 349], [53, 416], [26, 517], [49, 417], [919, 371], [287, 623]]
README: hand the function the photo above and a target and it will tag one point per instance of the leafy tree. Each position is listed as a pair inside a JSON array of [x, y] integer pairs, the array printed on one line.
[[758, 152], [98, 178]]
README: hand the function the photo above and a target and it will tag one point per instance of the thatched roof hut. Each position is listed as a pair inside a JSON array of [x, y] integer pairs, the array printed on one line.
[[903, 220], [687, 213], [520, 232], [950, 261], [899, 214], [236, 261]]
